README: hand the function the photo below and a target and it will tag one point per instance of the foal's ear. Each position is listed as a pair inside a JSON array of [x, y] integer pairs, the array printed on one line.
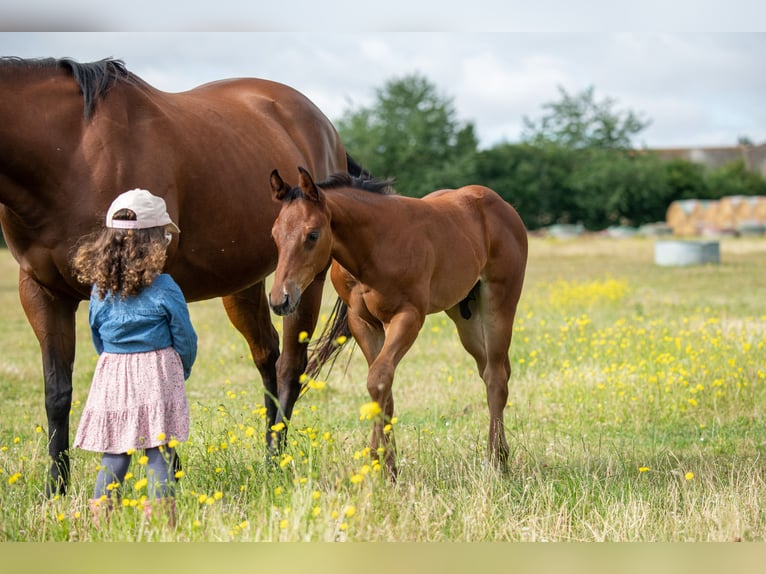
[[278, 187], [307, 185]]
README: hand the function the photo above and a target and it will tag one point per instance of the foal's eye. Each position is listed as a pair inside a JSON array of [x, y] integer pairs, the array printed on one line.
[[312, 237]]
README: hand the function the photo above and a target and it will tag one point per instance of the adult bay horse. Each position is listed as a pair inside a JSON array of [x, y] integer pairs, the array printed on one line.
[[397, 259], [73, 136]]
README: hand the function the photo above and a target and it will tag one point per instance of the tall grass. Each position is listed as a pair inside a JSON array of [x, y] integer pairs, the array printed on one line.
[[635, 413]]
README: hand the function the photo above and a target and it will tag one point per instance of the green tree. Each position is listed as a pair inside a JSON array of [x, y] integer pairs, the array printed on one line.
[[735, 179], [411, 133], [534, 179], [687, 179], [610, 187], [579, 121]]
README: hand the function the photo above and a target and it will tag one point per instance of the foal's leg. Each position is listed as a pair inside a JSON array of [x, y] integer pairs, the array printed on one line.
[[497, 315], [487, 337], [292, 362], [249, 312], [400, 334]]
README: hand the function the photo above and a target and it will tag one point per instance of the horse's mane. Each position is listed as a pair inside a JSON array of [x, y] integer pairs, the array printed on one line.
[[94, 78], [365, 182]]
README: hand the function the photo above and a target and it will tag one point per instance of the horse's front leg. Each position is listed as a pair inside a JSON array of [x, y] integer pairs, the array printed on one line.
[[401, 333], [292, 362], [52, 319]]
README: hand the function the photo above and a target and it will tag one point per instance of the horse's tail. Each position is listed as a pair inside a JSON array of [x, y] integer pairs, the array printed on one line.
[[334, 334], [335, 331], [356, 169]]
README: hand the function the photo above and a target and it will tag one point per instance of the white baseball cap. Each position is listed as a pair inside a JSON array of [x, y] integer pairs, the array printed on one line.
[[150, 211]]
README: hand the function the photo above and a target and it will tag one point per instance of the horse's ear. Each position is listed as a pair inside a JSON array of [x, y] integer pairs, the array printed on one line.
[[307, 185], [278, 187]]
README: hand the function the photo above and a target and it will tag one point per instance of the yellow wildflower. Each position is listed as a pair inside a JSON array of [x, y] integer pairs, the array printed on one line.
[[689, 476], [369, 411]]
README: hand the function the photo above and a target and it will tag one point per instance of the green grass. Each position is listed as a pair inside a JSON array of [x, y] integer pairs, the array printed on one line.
[[635, 413]]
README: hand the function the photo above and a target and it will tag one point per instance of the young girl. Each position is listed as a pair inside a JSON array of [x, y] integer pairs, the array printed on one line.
[[146, 344]]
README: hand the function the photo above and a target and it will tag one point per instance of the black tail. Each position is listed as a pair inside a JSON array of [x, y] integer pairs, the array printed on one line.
[[334, 334], [356, 169], [326, 348]]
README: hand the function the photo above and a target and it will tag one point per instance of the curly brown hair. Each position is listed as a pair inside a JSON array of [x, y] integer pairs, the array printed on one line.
[[121, 261]]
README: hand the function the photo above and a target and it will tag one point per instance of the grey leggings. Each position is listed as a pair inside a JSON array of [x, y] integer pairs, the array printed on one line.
[[160, 477]]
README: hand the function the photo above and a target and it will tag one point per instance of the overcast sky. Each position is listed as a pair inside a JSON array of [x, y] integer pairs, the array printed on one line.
[[704, 87]]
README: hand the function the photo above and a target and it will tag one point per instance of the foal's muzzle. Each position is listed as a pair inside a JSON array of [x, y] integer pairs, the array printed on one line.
[[287, 304]]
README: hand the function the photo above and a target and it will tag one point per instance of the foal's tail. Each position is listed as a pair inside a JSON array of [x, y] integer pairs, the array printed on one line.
[[334, 334], [335, 331]]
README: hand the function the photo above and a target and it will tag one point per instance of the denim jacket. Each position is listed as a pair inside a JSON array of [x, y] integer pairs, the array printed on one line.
[[155, 318]]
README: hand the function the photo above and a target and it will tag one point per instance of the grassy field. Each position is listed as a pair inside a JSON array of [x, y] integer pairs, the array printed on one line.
[[636, 413]]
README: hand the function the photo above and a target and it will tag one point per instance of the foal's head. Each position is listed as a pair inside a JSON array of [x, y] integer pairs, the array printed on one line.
[[303, 237]]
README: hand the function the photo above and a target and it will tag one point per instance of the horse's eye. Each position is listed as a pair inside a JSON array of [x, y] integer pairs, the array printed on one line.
[[312, 237]]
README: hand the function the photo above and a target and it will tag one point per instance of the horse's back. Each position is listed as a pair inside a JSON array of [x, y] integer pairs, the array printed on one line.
[[479, 202], [282, 114]]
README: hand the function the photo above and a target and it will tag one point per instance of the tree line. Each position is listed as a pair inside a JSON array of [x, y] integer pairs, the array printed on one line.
[[576, 163]]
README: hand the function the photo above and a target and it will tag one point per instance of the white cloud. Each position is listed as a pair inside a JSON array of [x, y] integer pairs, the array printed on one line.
[[699, 89]]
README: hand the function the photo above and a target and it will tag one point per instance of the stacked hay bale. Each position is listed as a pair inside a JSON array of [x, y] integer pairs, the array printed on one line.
[[687, 216], [729, 215]]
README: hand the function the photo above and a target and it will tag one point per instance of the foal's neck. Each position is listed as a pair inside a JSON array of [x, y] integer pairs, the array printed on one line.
[[360, 220]]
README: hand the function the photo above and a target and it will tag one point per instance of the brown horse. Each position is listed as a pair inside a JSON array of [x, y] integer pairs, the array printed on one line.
[[396, 259], [73, 136]]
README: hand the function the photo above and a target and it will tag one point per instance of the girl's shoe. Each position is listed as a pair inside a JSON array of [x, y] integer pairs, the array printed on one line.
[[100, 509], [161, 507]]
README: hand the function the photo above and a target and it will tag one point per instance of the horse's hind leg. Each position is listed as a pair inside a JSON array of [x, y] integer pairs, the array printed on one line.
[[249, 312]]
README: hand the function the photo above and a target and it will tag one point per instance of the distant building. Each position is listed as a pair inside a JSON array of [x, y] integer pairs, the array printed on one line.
[[753, 156]]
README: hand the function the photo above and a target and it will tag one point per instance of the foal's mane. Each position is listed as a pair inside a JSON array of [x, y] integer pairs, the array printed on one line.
[[365, 182], [94, 78]]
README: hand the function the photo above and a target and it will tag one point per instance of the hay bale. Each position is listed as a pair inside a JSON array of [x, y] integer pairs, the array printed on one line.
[[690, 216], [732, 210]]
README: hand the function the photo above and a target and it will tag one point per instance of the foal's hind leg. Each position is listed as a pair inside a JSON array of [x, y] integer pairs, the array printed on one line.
[[486, 335]]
